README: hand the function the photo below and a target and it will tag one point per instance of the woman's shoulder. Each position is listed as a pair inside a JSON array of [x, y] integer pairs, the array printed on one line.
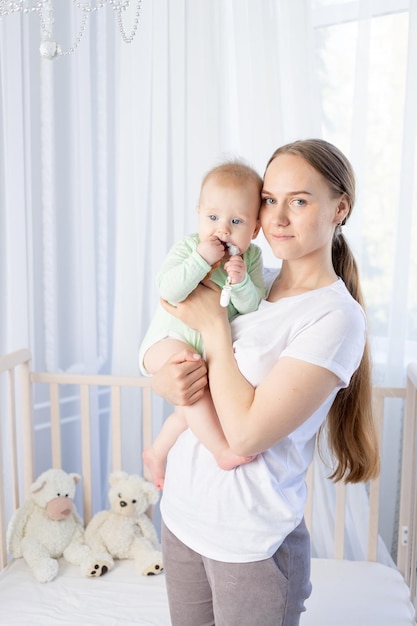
[[339, 292]]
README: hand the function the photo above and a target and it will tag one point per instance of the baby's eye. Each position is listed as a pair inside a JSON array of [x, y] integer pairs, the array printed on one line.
[[213, 218], [236, 220], [268, 201]]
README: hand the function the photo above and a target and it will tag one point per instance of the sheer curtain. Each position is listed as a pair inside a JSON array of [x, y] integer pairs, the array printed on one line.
[[102, 153], [57, 198], [366, 56], [205, 80]]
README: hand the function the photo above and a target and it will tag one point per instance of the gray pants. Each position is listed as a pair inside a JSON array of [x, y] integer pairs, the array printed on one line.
[[204, 592]]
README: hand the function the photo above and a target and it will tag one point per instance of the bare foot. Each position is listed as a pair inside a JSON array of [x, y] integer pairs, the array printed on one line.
[[156, 467], [228, 460]]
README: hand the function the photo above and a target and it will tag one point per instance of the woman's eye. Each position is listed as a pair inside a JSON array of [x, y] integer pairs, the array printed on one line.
[[236, 220], [298, 202]]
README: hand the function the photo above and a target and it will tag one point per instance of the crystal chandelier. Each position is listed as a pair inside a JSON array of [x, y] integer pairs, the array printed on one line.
[[50, 48]]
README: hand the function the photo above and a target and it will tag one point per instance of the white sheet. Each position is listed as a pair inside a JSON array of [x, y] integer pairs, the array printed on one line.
[[345, 593], [119, 597], [357, 593]]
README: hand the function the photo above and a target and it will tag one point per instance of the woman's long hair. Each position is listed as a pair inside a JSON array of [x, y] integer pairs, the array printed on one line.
[[350, 424]]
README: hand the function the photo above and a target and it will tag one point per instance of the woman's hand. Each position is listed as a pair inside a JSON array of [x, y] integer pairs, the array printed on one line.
[[201, 310], [182, 379]]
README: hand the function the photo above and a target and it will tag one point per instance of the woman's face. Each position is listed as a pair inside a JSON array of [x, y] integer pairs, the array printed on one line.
[[299, 212]]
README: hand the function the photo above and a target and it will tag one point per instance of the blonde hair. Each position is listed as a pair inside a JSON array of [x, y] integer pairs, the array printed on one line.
[[350, 424], [234, 172]]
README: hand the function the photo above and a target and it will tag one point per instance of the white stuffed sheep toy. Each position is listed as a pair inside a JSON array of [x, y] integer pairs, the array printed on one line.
[[125, 531], [47, 527]]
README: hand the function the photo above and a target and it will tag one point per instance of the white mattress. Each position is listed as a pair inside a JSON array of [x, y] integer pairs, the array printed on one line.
[[345, 593], [357, 593]]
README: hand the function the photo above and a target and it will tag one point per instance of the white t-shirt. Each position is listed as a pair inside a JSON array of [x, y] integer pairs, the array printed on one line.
[[244, 514]]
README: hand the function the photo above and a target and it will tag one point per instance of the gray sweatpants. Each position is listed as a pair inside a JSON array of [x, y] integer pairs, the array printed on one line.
[[204, 592]]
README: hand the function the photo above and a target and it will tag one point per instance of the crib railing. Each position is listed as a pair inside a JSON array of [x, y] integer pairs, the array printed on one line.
[[380, 394], [17, 381], [406, 553], [17, 430], [86, 384]]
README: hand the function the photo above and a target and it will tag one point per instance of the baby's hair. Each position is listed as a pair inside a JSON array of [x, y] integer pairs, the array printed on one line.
[[235, 172], [350, 425]]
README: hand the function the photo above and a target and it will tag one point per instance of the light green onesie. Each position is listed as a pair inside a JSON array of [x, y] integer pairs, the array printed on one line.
[[181, 272]]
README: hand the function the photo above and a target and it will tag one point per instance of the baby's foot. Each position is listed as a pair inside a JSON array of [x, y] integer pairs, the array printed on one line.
[[156, 467], [228, 460]]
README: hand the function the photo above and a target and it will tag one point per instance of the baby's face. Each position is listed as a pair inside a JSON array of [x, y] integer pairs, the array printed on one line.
[[229, 212]]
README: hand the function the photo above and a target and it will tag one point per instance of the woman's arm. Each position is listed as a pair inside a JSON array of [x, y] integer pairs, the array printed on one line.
[[252, 419]]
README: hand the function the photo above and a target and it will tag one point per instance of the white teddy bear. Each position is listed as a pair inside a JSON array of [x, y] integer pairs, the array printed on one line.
[[125, 531], [47, 527]]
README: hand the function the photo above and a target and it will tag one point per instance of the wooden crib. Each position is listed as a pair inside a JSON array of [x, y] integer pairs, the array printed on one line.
[[345, 592]]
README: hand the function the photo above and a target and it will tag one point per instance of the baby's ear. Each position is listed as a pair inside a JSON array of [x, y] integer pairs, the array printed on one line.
[[257, 229]]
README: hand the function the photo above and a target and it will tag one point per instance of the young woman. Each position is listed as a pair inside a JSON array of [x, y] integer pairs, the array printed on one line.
[[236, 550]]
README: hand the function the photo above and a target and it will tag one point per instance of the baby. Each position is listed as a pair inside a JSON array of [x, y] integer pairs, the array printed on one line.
[[222, 250]]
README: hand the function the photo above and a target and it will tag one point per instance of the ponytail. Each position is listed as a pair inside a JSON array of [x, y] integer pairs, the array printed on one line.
[[350, 425]]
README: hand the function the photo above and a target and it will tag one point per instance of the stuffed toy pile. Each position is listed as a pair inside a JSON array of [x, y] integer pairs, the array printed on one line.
[[125, 531], [47, 527]]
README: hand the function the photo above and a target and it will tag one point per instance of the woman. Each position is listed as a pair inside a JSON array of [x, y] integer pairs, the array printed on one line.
[[236, 550]]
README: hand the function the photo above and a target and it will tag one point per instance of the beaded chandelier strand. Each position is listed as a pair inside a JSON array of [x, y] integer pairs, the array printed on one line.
[[50, 48]]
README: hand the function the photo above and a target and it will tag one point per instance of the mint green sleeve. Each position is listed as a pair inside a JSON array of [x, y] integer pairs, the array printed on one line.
[[247, 295], [181, 272]]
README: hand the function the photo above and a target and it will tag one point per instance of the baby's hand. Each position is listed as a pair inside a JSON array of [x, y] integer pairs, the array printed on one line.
[[212, 250], [236, 269]]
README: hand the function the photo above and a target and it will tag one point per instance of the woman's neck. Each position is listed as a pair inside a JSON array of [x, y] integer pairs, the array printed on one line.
[[294, 280]]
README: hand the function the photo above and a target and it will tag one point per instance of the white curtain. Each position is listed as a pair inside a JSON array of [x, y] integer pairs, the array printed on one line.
[[102, 152], [204, 80], [57, 198]]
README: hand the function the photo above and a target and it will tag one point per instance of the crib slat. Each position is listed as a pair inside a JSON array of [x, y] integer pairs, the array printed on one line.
[[27, 425], [411, 415], [146, 425], [412, 409], [308, 510], [3, 552], [374, 487], [13, 439], [339, 522], [8, 366], [55, 425], [86, 451], [407, 536], [116, 428]]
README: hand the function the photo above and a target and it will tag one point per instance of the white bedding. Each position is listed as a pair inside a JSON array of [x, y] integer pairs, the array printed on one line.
[[345, 593], [357, 593]]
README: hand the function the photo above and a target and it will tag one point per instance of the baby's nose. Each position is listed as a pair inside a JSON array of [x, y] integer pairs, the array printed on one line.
[[223, 229]]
